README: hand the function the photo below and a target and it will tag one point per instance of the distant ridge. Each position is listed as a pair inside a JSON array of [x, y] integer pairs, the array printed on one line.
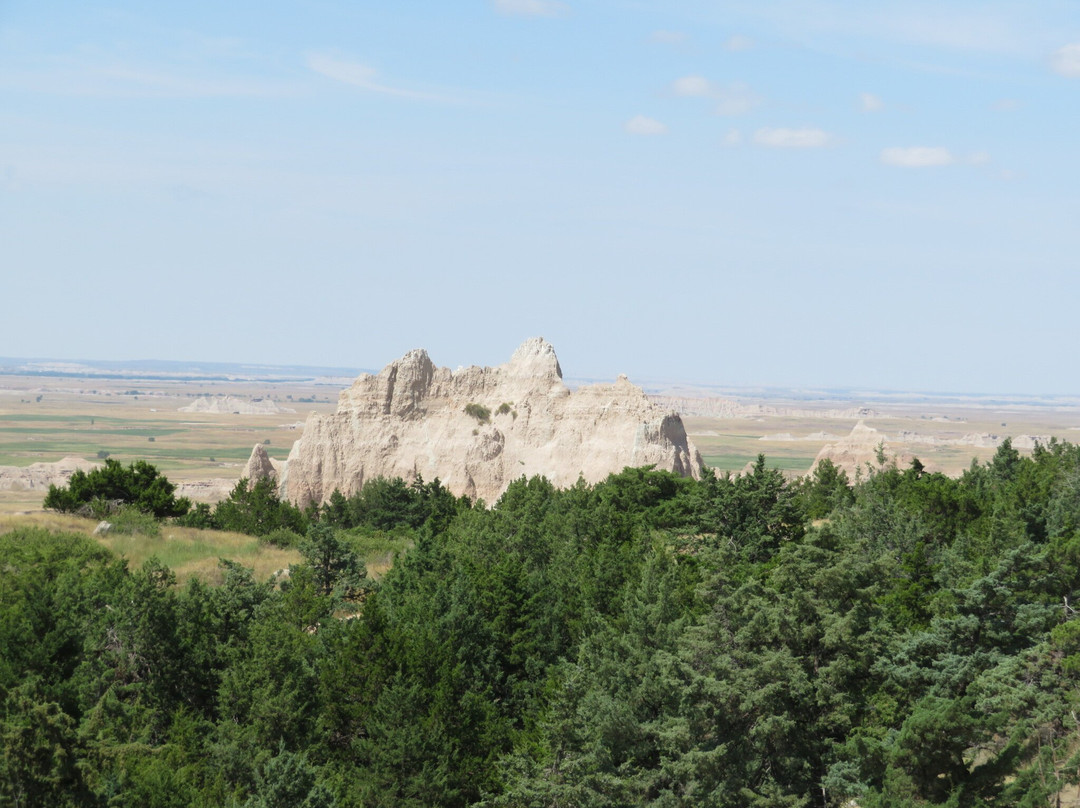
[[165, 370]]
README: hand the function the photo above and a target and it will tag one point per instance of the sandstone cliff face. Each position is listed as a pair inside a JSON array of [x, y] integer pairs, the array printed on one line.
[[477, 429]]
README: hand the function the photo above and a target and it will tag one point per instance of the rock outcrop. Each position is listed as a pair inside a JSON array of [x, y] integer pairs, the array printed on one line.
[[39, 476], [479, 428], [232, 404], [260, 465], [861, 447]]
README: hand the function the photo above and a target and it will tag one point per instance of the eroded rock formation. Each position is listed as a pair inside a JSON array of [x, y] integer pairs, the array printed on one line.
[[479, 428], [39, 476], [859, 451], [260, 465], [233, 404]]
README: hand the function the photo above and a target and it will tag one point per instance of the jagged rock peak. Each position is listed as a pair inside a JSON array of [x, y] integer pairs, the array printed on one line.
[[479, 428], [536, 357]]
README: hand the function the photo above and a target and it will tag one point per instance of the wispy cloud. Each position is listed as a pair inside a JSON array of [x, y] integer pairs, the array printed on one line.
[[642, 125], [733, 138], [531, 8], [1066, 61], [739, 43], [119, 80], [692, 86], [1006, 105], [731, 99], [364, 77], [869, 102], [805, 138], [917, 156]]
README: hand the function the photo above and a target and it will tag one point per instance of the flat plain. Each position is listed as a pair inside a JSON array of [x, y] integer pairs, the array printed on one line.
[[44, 419]]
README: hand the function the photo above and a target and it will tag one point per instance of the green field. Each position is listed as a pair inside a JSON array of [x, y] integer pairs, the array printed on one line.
[[735, 463]]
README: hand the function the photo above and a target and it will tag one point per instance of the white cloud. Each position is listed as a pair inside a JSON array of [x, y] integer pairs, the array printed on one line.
[[870, 102], [731, 99], [739, 43], [1006, 105], [979, 158], [692, 86], [1066, 61], [642, 125], [917, 156], [733, 138], [669, 37], [531, 8], [806, 138], [362, 76]]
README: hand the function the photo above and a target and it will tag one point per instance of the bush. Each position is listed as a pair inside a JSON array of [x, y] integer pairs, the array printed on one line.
[[283, 537], [132, 521], [200, 516], [479, 412], [104, 489]]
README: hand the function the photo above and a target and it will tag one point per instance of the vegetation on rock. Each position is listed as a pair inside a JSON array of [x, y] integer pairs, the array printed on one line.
[[479, 412]]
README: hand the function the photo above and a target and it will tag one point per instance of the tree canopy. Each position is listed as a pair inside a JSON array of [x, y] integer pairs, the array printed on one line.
[[911, 640]]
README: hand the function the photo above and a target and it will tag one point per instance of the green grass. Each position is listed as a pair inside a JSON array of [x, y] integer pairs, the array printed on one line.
[[25, 416], [134, 432], [52, 446], [738, 462]]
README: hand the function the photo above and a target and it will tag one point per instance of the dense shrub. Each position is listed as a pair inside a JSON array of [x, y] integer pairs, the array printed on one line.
[[100, 490], [256, 509]]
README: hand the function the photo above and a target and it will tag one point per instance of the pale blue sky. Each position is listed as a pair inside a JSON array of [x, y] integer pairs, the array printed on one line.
[[785, 193]]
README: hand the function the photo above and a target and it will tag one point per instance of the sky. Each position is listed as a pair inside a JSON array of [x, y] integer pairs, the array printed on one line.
[[790, 194]]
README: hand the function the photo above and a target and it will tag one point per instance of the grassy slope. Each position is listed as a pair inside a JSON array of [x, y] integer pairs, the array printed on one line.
[[189, 552]]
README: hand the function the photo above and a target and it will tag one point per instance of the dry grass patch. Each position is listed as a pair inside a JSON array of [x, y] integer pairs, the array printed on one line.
[[189, 552], [49, 520], [194, 553]]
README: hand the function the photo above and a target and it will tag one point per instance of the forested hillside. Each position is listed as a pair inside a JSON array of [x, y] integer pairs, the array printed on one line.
[[649, 640]]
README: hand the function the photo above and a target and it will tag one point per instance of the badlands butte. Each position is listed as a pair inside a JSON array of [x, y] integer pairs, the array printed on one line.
[[478, 429], [475, 428]]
